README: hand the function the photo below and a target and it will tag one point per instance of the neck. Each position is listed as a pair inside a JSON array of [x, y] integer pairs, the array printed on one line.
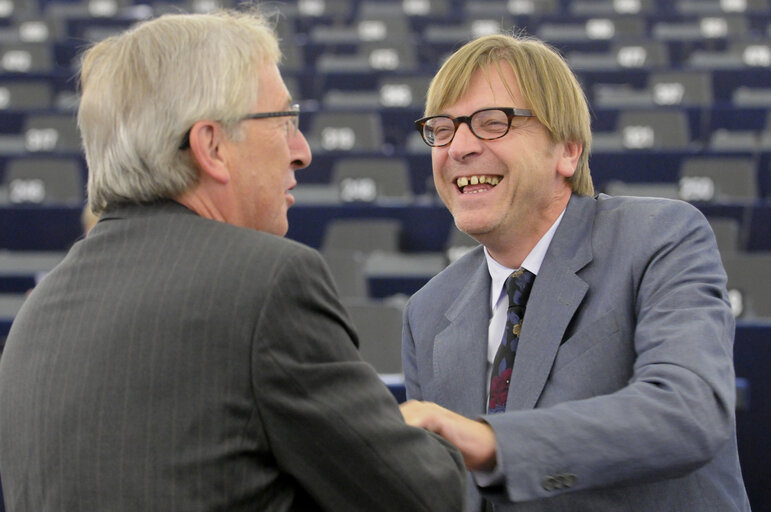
[[201, 204], [512, 247]]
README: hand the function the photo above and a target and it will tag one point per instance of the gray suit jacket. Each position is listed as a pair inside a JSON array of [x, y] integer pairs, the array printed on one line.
[[174, 363], [622, 394]]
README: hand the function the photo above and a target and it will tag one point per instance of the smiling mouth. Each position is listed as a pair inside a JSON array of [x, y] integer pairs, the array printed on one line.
[[474, 184]]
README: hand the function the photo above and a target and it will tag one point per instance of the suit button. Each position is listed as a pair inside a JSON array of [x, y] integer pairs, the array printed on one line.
[[558, 481], [549, 483]]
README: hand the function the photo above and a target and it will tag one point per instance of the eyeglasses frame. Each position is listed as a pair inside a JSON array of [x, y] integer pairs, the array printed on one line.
[[511, 113], [294, 111]]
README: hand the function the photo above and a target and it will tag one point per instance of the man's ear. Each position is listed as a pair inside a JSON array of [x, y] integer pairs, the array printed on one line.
[[571, 152], [208, 152]]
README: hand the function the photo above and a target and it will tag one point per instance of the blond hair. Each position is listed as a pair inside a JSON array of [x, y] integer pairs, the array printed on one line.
[[546, 83], [142, 90]]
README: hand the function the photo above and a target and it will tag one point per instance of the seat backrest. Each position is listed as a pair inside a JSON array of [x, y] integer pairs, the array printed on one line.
[[370, 179], [644, 54], [25, 94], [718, 179], [402, 91], [379, 325], [44, 181], [346, 131], [727, 234], [681, 88], [52, 132], [749, 283], [347, 269], [26, 58], [654, 129], [362, 235]]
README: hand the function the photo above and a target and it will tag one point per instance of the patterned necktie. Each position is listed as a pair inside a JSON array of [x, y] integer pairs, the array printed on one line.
[[518, 286]]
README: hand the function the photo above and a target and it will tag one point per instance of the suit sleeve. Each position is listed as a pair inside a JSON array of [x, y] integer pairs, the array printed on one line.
[[675, 413], [331, 422], [409, 359]]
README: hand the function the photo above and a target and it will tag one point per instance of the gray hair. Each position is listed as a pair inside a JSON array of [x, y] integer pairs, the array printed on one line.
[[142, 90]]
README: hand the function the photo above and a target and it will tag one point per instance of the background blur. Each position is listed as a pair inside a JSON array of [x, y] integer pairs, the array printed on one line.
[[680, 92]]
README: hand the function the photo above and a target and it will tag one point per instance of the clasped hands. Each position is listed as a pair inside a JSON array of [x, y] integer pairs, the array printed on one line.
[[475, 439]]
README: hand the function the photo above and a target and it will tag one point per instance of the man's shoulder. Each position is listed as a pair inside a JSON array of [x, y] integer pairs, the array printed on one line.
[[641, 205], [645, 213]]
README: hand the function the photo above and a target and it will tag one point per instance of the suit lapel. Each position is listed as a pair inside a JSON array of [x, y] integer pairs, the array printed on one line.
[[460, 350], [556, 295]]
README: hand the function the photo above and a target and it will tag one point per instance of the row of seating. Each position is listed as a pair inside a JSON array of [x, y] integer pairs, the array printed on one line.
[[344, 9], [357, 129], [56, 180]]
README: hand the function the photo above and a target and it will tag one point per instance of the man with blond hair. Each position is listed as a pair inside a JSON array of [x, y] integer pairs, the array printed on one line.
[[581, 357], [185, 356]]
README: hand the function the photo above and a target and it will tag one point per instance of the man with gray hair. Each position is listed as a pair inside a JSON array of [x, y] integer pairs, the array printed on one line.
[[184, 355]]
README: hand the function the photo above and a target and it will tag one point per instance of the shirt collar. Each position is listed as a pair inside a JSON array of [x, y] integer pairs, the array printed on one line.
[[532, 262]]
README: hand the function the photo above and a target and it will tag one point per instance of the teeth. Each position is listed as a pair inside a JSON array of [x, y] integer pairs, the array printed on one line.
[[477, 180]]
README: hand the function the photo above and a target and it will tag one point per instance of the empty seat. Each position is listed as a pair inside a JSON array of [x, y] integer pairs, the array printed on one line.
[[19, 9], [646, 130], [345, 131], [593, 29], [681, 88], [362, 235], [370, 56], [708, 27], [458, 243], [611, 7], [458, 33], [379, 325], [52, 132], [724, 140], [95, 9], [701, 7], [718, 179], [335, 9], [371, 179], [10, 304], [739, 55], [20, 271], [641, 54], [392, 28], [749, 283], [641, 189], [751, 97], [44, 181], [347, 269], [664, 88], [25, 94], [516, 8], [727, 234], [26, 58], [400, 91]]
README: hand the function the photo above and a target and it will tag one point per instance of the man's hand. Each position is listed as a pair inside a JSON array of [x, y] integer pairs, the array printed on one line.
[[475, 439]]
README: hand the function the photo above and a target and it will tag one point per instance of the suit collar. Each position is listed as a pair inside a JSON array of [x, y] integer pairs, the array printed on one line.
[[460, 350], [557, 293], [125, 210]]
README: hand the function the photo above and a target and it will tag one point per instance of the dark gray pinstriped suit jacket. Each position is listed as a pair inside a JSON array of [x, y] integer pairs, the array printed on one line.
[[172, 362]]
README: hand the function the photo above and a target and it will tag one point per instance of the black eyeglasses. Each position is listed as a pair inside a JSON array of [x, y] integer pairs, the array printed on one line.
[[485, 124], [291, 127]]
